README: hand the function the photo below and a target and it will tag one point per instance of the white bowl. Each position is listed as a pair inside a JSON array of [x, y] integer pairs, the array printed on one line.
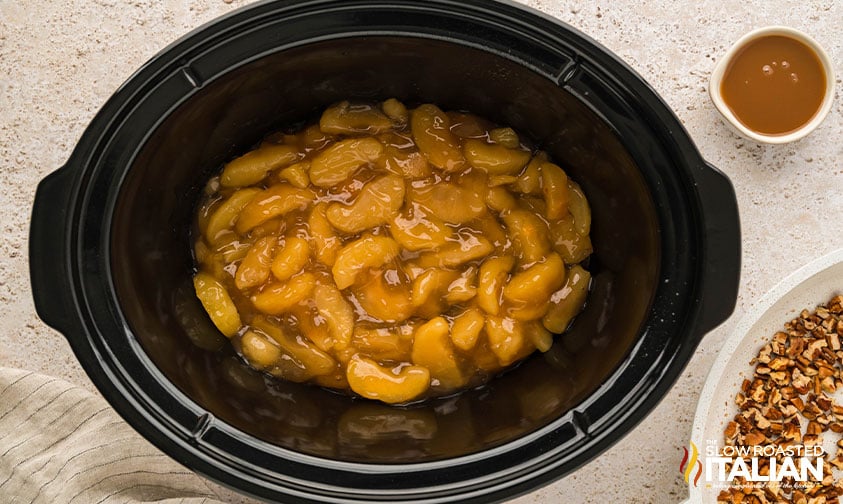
[[806, 288], [726, 112]]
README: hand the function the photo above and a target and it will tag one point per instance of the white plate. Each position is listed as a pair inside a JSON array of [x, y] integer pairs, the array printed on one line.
[[806, 288]]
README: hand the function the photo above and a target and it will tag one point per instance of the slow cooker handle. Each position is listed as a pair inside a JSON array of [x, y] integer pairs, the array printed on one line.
[[48, 256], [722, 250]]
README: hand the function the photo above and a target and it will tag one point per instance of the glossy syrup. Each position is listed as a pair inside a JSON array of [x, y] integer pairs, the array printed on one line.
[[774, 85]]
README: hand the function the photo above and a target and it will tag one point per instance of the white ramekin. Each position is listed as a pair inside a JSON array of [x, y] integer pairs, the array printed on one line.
[[726, 112]]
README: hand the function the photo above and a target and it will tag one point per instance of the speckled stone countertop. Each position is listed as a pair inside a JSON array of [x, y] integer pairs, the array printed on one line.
[[61, 59]]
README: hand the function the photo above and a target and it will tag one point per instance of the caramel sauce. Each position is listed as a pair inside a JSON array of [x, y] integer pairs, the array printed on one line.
[[774, 85]]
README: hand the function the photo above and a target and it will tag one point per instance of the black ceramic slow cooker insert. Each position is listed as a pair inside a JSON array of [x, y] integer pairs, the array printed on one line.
[[111, 265]]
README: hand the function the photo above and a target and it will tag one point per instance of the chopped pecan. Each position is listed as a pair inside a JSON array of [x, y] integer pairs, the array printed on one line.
[[792, 432], [797, 346], [801, 383], [835, 306], [780, 378], [745, 386], [828, 385], [731, 430], [754, 438], [812, 440], [837, 461], [763, 355], [814, 348], [780, 363], [758, 392], [811, 411], [788, 410], [824, 371], [824, 402], [761, 422], [773, 399]]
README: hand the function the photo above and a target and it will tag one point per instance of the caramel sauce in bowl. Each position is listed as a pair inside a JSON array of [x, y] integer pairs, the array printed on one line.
[[775, 85]]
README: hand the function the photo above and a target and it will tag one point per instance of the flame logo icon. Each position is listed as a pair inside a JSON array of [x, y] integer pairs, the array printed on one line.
[[687, 466]]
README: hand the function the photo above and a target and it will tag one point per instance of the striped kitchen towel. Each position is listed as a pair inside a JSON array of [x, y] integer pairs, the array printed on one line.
[[61, 444]]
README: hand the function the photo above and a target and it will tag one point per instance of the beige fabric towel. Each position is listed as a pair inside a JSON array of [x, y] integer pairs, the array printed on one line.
[[61, 444]]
